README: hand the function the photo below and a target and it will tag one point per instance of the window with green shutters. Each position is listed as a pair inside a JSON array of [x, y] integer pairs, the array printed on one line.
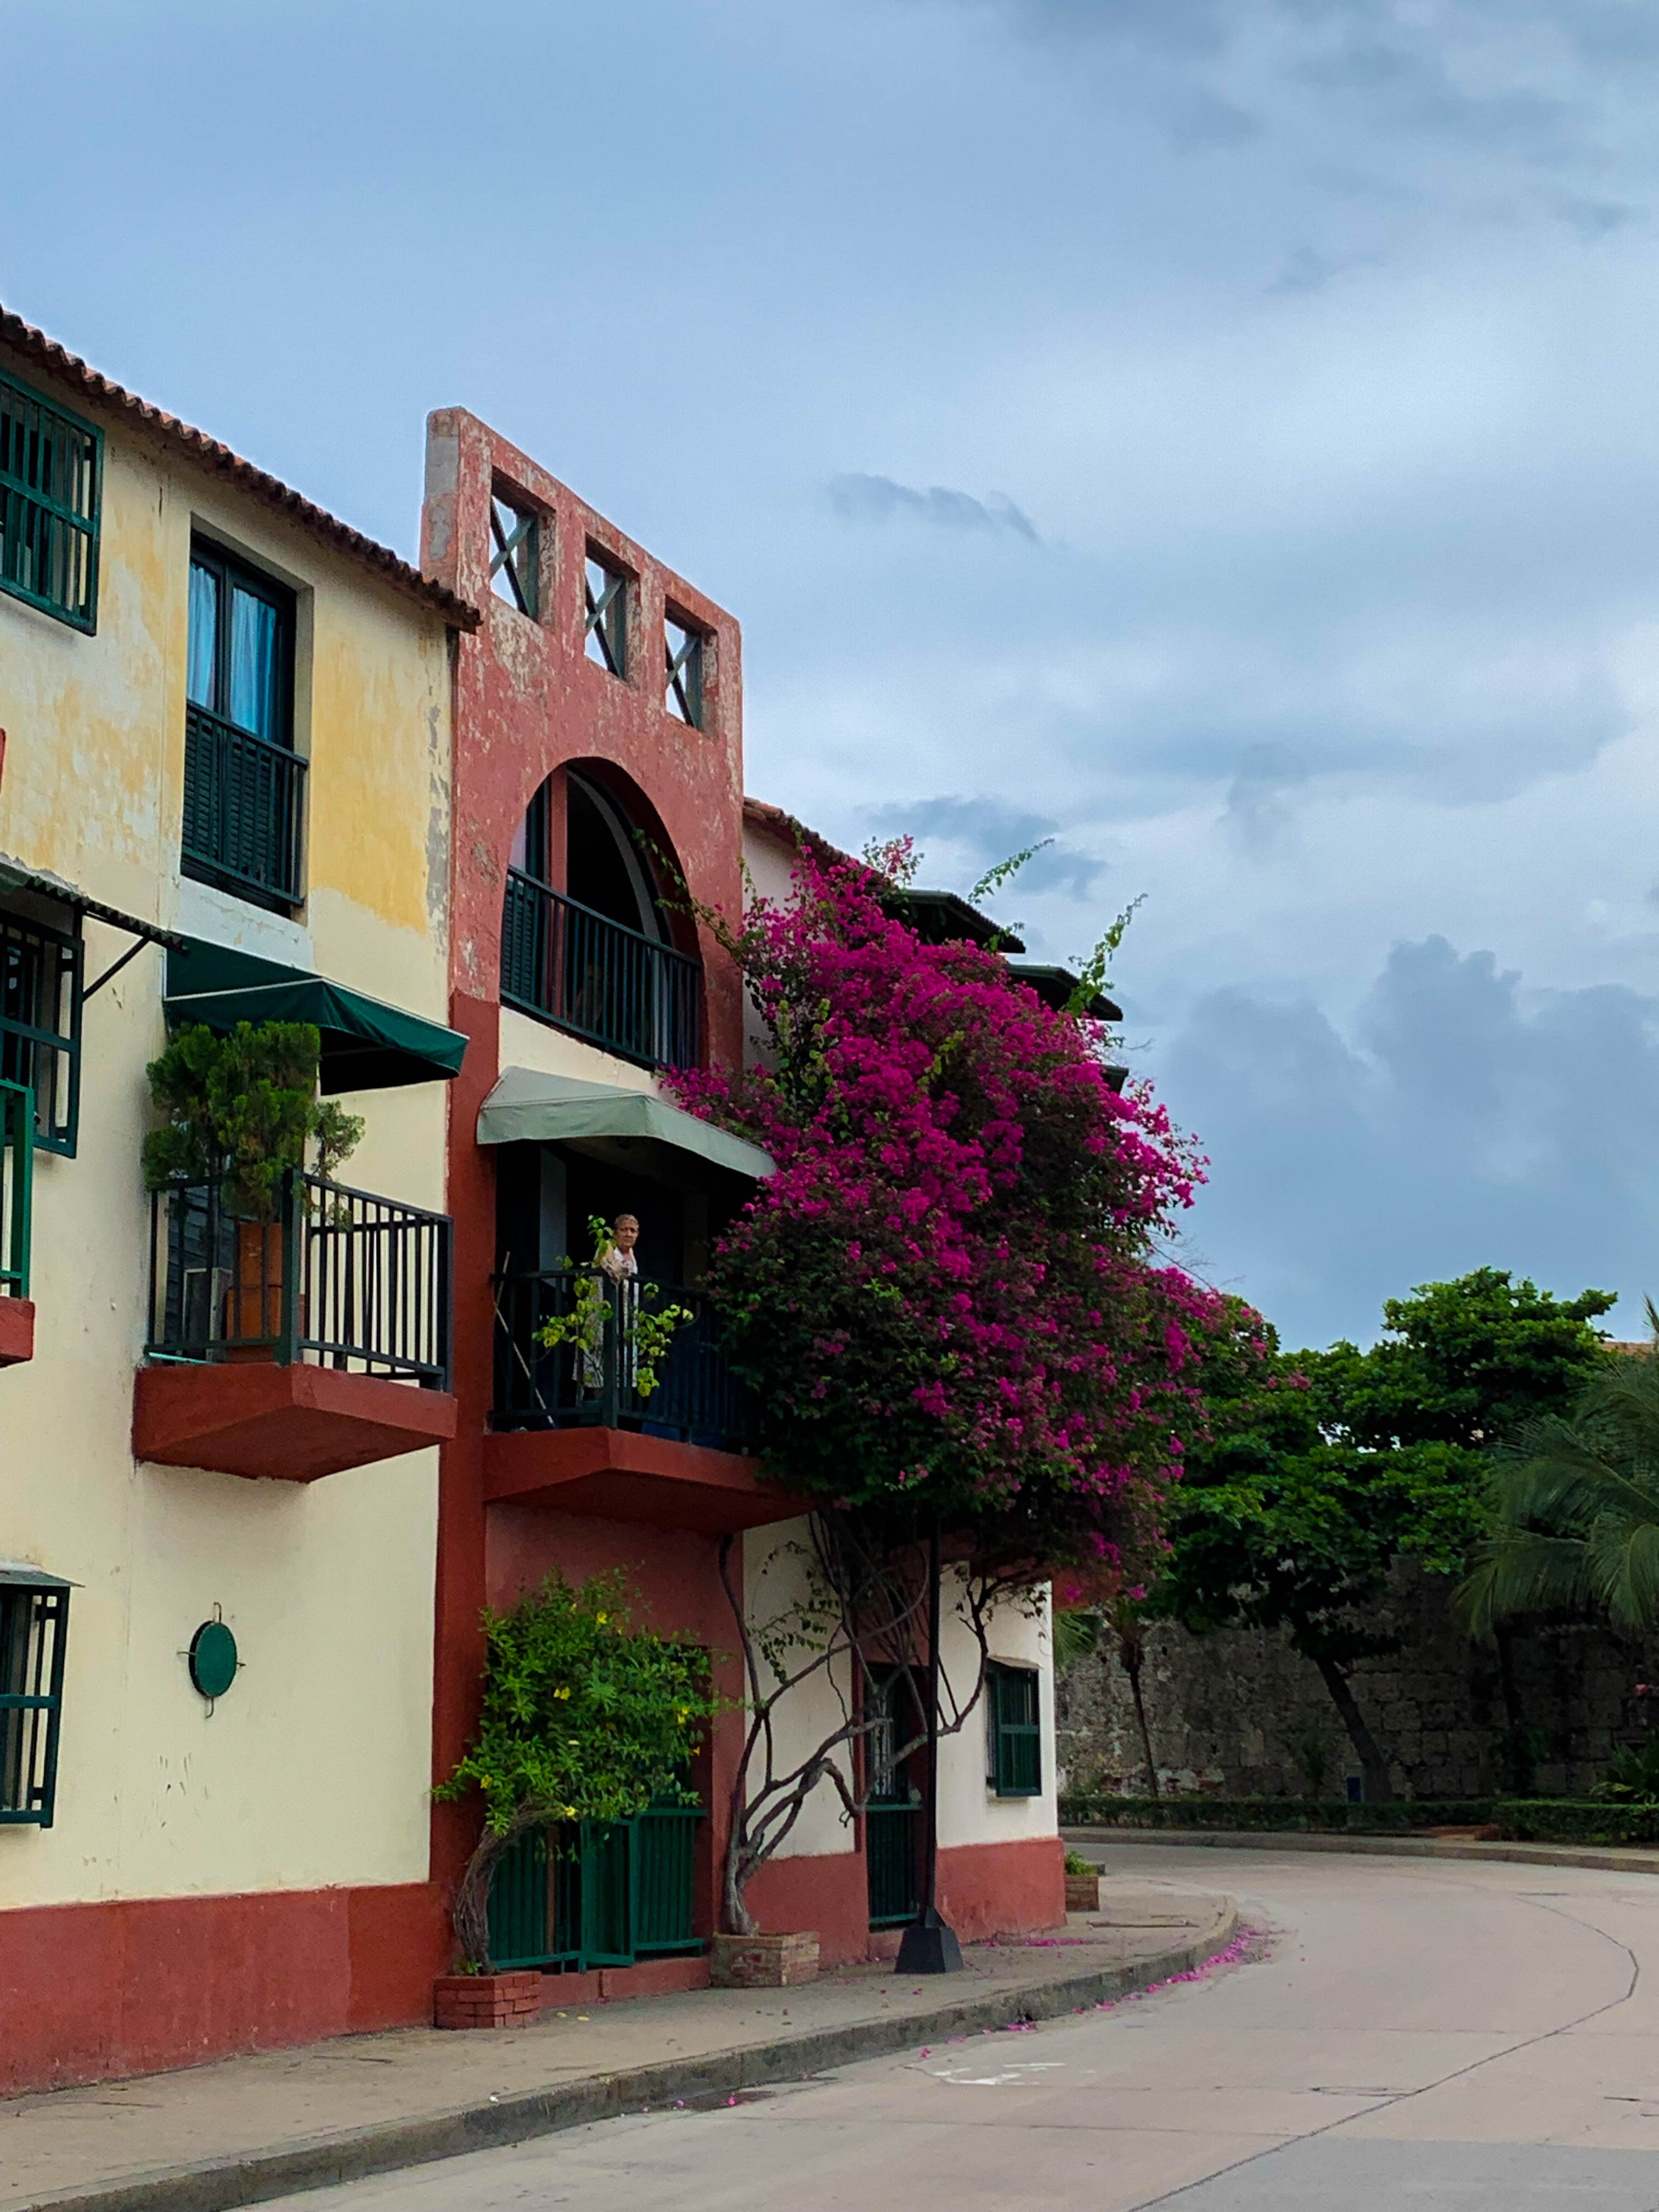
[[34, 1624], [40, 996], [244, 782], [51, 471], [1014, 1722]]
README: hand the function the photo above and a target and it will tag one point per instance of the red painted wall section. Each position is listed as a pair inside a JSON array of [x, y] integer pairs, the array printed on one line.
[[528, 700], [527, 703], [131, 1986]]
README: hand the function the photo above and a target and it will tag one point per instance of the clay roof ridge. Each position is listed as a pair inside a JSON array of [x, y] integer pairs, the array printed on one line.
[[71, 369]]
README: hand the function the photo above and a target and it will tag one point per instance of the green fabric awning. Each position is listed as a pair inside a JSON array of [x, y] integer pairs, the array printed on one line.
[[529, 1107], [367, 1045]]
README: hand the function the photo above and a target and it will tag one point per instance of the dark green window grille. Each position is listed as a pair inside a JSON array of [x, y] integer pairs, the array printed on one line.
[[16, 1176], [605, 590], [892, 1822], [682, 650], [244, 782], [40, 994], [514, 553], [52, 470], [33, 1626], [1015, 1716], [597, 1893]]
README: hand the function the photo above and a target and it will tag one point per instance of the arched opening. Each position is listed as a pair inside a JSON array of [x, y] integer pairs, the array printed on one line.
[[596, 956]]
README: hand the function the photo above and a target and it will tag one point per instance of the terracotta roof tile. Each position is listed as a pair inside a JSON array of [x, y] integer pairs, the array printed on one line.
[[69, 369]]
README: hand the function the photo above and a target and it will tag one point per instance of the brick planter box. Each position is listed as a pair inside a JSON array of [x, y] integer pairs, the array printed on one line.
[[1083, 1893], [763, 1962], [486, 2000]]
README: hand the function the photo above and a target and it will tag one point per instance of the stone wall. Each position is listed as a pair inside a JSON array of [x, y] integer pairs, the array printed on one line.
[[1239, 1714]]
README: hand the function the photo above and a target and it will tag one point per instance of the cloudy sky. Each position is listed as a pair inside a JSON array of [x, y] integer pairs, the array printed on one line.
[[1221, 435]]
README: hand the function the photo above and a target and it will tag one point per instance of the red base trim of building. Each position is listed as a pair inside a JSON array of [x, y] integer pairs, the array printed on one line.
[[984, 1890], [95, 1992], [92, 1992], [17, 1331], [295, 1423]]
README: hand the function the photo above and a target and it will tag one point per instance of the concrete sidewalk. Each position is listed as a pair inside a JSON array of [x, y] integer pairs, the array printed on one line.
[[249, 2129]]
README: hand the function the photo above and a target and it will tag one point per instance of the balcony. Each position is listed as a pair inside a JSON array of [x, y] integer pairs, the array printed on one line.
[[574, 1431], [16, 1175], [617, 987], [244, 807], [295, 1347]]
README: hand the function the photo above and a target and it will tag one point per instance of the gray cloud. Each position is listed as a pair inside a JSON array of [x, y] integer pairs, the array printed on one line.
[[1258, 806], [987, 830], [1465, 1122], [879, 499]]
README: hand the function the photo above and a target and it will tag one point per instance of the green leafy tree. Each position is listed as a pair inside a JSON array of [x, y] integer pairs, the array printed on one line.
[[1274, 1527], [1469, 1362], [1320, 1470], [586, 1717]]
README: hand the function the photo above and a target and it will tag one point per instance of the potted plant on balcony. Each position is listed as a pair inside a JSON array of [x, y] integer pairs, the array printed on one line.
[[240, 1111]]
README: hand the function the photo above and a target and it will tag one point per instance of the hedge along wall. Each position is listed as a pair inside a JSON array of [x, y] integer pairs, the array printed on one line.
[[1525, 1820], [1224, 1709]]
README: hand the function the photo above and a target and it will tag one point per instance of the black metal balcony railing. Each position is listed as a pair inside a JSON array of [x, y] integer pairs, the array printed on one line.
[[340, 1278], [593, 1381], [244, 808], [615, 987]]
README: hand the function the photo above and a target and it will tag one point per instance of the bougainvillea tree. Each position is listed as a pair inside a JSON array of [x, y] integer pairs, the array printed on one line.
[[949, 1293]]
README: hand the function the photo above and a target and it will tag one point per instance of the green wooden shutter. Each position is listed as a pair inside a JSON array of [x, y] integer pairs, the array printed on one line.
[[1017, 1722]]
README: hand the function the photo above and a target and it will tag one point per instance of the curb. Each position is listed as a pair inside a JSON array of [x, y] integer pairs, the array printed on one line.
[[1610, 1858], [324, 2162]]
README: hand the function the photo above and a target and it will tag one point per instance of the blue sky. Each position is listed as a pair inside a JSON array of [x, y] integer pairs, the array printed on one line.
[[1218, 434]]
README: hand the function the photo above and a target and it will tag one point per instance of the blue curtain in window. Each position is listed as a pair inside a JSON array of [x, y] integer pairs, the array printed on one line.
[[252, 664], [204, 635]]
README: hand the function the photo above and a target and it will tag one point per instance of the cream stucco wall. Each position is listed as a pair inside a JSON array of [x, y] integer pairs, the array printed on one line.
[[776, 1576], [970, 1810], [526, 1043], [314, 1768]]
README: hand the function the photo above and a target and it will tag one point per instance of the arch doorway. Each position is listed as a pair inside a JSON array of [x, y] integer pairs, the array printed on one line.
[[595, 957]]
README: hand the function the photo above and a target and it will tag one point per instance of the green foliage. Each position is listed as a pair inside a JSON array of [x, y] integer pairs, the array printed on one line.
[[1321, 1469], [1469, 1363], [1274, 1526], [1075, 1636], [1078, 1867], [1564, 1821], [584, 1716], [1283, 1815], [241, 1111], [1633, 1775], [1577, 1507], [647, 1332], [1094, 970], [1309, 1745]]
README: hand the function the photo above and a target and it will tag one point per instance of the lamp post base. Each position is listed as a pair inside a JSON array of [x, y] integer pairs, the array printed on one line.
[[928, 1945]]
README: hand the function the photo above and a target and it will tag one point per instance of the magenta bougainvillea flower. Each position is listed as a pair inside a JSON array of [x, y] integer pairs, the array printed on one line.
[[949, 1294]]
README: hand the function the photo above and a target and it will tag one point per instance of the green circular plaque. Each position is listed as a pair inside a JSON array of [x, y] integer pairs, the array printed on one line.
[[213, 1658]]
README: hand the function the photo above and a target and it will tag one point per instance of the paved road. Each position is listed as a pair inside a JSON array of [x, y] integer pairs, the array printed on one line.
[[1478, 2037]]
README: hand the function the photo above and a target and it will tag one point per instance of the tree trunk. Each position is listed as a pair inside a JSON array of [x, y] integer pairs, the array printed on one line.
[[736, 1919], [1134, 1652], [1374, 1766], [470, 1914]]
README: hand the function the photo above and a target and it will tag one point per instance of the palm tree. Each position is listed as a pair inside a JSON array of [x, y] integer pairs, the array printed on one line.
[[1577, 1507]]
